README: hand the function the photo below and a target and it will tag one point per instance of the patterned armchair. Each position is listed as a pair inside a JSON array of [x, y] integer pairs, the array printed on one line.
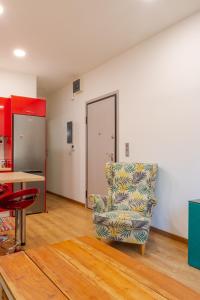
[[125, 213]]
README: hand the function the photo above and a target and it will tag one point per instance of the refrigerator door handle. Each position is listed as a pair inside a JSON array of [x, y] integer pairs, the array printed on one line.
[[33, 171]]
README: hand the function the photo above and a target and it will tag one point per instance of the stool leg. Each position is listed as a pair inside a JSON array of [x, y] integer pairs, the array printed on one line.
[[23, 228], [23, 223], [18, 221]]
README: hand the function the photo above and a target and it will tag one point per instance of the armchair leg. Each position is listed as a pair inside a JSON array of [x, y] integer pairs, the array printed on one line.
[[142, 249]]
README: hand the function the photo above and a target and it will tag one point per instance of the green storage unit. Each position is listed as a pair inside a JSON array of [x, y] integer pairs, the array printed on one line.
[[194, 234]]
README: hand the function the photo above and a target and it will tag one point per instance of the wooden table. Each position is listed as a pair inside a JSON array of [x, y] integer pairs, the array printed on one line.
[[22, 178], [84, 268]]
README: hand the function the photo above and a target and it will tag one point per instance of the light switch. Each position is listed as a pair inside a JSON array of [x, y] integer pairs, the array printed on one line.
[[127, 154]]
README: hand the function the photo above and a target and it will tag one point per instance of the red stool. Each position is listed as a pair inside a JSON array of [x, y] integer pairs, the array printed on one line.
[[18, 201], [3, 189]]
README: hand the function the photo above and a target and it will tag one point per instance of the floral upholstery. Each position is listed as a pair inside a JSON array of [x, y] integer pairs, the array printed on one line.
[[125, 214], [101, 203]]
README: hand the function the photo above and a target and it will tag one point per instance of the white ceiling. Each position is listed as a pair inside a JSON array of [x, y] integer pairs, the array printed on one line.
[[68, 37]]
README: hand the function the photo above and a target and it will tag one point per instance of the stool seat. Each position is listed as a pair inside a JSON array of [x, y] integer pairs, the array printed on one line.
[[18, 200], [3, 189]]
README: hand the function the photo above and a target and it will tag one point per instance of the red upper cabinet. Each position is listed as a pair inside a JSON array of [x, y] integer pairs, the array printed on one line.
[[5, 117], [28, 106]]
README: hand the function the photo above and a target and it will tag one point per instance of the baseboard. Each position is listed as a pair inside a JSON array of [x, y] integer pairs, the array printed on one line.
[[71, 200], [170, 235]]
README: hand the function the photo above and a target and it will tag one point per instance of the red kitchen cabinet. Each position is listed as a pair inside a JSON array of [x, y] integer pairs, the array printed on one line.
[[5, 117], [28, 106], [2, 109], [6, 129], [24, 109]]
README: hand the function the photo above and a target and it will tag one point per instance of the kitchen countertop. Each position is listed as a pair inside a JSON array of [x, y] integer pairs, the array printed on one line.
[[4, 169], [19, 177]]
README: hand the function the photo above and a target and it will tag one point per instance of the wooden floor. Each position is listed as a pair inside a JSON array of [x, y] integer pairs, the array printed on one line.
[[66, 220]]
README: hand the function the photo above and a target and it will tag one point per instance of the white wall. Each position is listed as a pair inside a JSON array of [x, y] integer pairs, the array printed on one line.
[[159, 113], [13, 83]]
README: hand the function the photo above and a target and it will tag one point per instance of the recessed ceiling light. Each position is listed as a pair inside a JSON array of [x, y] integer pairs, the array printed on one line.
[[1, 106], [1, 9], [19, 52]]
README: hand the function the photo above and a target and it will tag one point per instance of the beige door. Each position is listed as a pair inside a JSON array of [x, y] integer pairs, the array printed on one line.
[[101, 143]]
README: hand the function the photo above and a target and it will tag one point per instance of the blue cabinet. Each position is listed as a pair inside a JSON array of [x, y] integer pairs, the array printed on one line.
[[194, 234]]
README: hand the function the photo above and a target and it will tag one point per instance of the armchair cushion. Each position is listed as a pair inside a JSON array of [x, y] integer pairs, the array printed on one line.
[[127, 219]]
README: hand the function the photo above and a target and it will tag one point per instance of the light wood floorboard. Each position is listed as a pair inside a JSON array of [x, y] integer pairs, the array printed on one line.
[[66, 220]]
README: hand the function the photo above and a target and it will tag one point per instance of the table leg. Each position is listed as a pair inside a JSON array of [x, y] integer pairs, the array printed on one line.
[[4, 291], [23, 221], [4, 296]]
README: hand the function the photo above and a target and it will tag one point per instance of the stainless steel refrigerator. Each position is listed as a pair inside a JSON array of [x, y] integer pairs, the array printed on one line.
[[29, 152]]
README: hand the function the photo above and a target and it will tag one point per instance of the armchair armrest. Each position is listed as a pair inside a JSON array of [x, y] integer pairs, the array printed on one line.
[[151, 204], [100, 203]]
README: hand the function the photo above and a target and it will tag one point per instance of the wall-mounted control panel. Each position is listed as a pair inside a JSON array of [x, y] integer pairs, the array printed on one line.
[[69, 132]]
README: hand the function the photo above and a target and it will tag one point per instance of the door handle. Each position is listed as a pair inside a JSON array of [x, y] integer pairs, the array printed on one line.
[[33, 171], [111, 156]]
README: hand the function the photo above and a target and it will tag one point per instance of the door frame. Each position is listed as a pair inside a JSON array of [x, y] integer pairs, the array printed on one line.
[[114, 94]]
